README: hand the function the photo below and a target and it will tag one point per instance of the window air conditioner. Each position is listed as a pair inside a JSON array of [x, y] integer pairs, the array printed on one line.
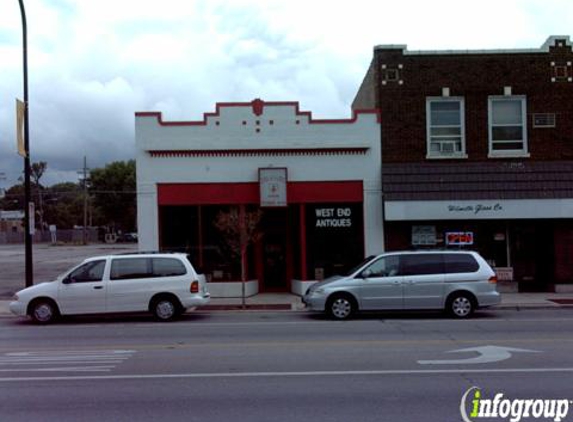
[[448, 147]]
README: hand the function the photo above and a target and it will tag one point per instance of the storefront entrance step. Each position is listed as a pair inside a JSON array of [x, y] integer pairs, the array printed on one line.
[[248, 307]]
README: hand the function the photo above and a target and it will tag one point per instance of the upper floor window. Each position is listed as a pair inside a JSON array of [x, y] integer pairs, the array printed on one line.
[[445, 127], [507, 126]]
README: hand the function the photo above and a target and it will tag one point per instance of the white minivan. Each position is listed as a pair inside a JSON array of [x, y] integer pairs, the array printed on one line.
[[455, 281], [165, 284]]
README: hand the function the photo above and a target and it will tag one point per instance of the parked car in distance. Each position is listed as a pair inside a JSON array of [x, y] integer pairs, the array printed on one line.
[[455, 281], [165, 284], [127, 237]]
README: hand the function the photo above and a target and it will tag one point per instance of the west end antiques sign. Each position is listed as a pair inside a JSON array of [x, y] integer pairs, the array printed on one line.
[[340, 217], [273, 187]]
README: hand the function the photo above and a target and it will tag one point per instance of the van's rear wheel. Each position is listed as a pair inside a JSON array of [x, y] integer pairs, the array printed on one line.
[[460, 305], [165, 308], [341, 306]]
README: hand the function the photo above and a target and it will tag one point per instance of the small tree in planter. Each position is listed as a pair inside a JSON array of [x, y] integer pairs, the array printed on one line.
[[240, 229]]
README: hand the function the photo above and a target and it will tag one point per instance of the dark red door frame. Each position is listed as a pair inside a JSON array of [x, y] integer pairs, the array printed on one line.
[[302, 218]]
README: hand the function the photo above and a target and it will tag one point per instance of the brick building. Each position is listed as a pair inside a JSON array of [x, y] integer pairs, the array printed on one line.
[[477, 152], [11, 221]]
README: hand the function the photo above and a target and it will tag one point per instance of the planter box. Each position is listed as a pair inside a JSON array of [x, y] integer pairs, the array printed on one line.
[[232, 288]]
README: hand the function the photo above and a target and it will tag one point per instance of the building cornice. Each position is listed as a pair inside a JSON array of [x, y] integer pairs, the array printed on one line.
[[258, 152], [257, 106], [552, 41]]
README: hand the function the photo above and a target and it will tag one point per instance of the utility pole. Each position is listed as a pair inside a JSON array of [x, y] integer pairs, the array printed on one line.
[[28, 206], [2, 178], [85, 182]]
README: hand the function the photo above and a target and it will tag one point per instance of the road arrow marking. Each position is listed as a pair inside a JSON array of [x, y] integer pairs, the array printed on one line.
[[487, 354]]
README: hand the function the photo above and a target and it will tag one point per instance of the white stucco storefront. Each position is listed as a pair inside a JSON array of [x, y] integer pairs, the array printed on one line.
[[328, 172]]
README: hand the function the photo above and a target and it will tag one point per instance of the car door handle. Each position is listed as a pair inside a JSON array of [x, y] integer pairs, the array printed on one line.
[[98, 287]]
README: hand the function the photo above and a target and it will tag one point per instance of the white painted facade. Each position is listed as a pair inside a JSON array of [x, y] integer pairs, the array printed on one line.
[[232, 144]]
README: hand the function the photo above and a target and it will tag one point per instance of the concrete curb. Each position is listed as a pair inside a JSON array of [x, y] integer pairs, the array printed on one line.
[[297, 307], [532, 306]]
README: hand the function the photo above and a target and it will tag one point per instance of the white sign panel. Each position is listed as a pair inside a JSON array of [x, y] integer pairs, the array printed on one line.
[[32, 218], [504, 273], [273, 187], [478, 210], [424, 235]]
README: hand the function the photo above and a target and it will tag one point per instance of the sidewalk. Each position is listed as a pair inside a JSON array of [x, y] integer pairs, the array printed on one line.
[[290, 302]]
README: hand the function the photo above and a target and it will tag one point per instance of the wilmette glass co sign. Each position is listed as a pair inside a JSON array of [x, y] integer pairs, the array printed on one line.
[[273, 187], [476, 208]]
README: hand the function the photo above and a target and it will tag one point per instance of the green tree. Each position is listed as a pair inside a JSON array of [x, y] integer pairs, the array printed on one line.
[[113, 192], [63, 205], [240, 229], [14, 198], [37, 170]]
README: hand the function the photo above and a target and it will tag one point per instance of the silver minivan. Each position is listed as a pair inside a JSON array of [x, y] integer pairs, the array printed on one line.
[[455, 281]]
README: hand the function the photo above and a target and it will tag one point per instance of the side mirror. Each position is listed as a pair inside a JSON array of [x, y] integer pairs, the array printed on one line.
[[67, 280], [366, 274]]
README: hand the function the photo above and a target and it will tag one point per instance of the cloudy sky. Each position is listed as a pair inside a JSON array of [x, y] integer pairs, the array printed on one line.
[[92, 64]]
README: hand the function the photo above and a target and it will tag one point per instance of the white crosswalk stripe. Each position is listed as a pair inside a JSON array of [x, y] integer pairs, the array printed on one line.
[[64, 360]]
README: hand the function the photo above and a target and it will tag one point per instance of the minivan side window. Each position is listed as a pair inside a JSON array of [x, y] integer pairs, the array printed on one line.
[[460, 263], [89, 272], [124, 268], [421, 264], [386, 266], [168, 267]]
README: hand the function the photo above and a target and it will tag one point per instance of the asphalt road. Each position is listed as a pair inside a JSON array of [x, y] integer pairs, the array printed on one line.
[[281, 366]]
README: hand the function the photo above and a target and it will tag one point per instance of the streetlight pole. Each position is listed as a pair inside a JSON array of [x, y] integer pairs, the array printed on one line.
[[27, 190]]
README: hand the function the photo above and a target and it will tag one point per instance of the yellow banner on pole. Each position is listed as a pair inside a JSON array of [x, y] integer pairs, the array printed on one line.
[[20, 116]]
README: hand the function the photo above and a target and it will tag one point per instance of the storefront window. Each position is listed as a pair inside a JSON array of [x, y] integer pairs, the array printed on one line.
[[178, 229], [487, 238], [192, 230], [335, 238]]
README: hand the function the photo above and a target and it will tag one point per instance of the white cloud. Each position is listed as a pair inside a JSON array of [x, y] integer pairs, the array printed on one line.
[[94, 63]]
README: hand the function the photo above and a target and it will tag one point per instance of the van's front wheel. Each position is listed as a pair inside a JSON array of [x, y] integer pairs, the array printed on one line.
[[341, 306]]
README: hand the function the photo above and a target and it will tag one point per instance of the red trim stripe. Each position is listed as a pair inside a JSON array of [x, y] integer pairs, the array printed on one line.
[[248, 193]]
